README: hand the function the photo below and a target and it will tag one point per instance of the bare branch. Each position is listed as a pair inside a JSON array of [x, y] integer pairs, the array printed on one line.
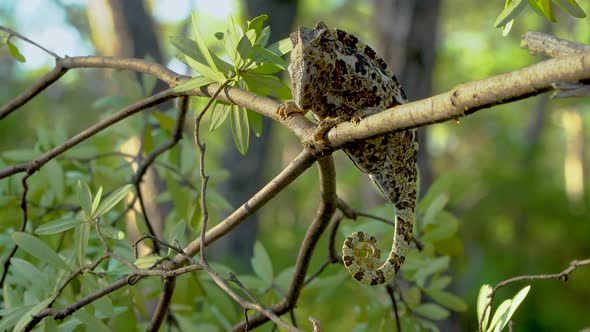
[[538, 42], [163, 304], [326, 209], [13, 33], [302, 162], [23, 227], [465, 99], [34, 165]]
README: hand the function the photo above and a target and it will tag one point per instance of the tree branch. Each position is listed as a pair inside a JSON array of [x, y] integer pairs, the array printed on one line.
[[326, 210]]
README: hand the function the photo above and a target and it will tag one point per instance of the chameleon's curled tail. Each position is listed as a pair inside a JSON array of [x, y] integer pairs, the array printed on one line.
[[361, 255]]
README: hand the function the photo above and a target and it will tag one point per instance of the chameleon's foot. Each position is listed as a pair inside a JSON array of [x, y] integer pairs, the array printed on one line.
[[362, 113], [325, 126], [287, 109]]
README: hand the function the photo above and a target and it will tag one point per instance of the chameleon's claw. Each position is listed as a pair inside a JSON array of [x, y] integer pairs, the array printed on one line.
[[287, 109], [325, 126]]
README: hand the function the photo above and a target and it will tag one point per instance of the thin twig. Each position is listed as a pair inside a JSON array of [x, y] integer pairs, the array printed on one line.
[[23, 227], [326, 209], [391, 292], [34, 165], [563, 275], [13, 33], [301, 163], [204, 177]]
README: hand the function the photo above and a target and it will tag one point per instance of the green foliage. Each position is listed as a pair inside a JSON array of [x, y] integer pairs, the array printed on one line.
[[513, 8], [504, 312], [251, 67]]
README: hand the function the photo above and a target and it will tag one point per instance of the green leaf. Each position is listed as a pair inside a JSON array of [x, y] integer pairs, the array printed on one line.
[[109, 103], [28, 316], [39, 250], [11, 316], [244, 47], [15, 52], [571, 7], [92, 323], [81, 236], [499, 315], [56, 178], [439, 282], [255, 120], [214, 72], [24, 270], [20, 154], [265, 61], [231, 39], [57, 226], [165, 121], [193, 83], [262, 38], [257, 23], [482, 300], [506, 28], [435, 208], [188, 48], [96, 201], [512, 9], [432, 311], [446, 227], [546, 8], [147, 261], [84, 197], [113, 199], [447, 299], [281, 47], [112, 232], [240, 128], [516, 301], [219, 112], [261, 263], [266, 85], [177, 234]]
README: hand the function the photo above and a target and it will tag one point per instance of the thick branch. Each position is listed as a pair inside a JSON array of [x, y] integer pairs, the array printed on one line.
[[326, 209], [466, 98]]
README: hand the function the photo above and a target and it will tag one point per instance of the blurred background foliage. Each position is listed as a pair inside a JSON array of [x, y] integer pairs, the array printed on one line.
[[516, 174]]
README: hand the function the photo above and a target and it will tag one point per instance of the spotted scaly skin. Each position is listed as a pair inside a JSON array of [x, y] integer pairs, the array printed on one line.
[[338, 78]]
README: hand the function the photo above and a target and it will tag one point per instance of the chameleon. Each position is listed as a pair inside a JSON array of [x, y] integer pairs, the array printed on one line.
[[338, 78]]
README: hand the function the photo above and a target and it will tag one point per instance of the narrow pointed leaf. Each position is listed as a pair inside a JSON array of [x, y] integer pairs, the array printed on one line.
[[482, 301], [257, 23], [15, 52], [39, 250], [240, 128], [81, 236], [511, 10], [57, 226], [261, 263], [219, 112], [193, 83], [113, 199], [84, 197], [498, 315], [96, 202], [516, 301], [571, 7]]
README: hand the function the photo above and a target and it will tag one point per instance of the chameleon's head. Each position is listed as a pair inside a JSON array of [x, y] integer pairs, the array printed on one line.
[[308, 47]]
